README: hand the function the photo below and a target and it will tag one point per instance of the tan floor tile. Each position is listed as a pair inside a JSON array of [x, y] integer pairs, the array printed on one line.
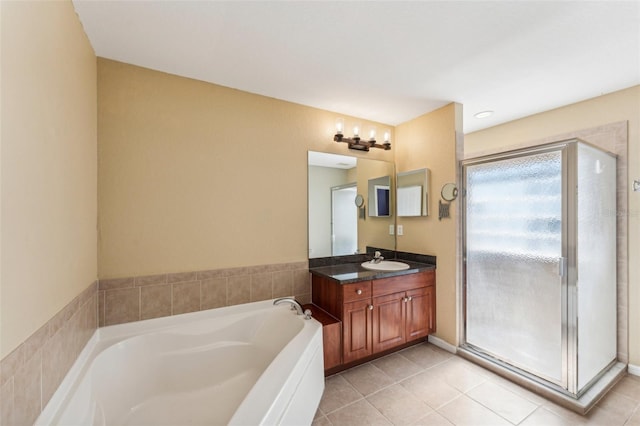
[[489, 400], [464, 411], [502, 402], [425, 355], [367, 378], [601, 417], [518, 390], [398, 405], [457, 376], [356, 414], [397, 367], [433, 419], [321, 421], [565, 413], [473, 367], [629, 386], [617, 404], [544, 417], [337, 393], [634, 420], [428, 388]]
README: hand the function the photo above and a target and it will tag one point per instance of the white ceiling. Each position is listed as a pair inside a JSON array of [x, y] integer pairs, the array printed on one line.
[[387, 61]]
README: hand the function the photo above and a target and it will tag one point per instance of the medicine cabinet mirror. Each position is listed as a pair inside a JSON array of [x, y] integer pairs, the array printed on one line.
[[336, 226], [412, 193], [380, 197]]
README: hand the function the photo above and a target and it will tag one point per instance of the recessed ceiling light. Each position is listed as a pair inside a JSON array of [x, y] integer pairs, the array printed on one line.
[[483, 114]]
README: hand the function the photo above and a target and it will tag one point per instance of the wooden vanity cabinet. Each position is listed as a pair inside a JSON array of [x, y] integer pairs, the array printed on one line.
[[379, 315], [356, 320], [420, 313], [405, 315], [389, 314], [356, 330]]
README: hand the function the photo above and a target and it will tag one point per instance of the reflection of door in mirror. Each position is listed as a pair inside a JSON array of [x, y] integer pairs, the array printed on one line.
[[344, 220], [381, 200], [380, 197], [326, 171]]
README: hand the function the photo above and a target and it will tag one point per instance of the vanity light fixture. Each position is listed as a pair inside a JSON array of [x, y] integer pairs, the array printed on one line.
[[355, 142]]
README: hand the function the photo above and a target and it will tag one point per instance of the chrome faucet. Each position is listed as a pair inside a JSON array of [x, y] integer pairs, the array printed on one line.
[[377, 257], [295, 306]]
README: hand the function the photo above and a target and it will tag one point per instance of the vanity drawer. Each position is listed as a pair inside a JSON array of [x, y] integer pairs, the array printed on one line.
[[403, 283], [356, 291]]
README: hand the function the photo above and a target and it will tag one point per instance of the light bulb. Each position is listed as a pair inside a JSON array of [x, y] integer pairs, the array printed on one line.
[[372, 134], [339, 126]]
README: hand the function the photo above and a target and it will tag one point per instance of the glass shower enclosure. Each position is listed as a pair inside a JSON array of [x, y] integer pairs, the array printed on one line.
[[540, 262]]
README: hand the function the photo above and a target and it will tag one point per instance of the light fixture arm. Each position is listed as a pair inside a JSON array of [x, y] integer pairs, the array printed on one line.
[[361, 145]]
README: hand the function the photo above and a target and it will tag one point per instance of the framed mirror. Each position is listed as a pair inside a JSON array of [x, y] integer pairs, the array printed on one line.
[[336, 225], [412, 193]]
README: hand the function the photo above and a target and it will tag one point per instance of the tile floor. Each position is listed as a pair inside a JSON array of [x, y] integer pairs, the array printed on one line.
[[424, 385]]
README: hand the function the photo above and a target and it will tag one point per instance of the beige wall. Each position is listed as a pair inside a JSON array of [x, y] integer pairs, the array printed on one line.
[[197, 176], [48, 165], [430, 141], [615, 107]]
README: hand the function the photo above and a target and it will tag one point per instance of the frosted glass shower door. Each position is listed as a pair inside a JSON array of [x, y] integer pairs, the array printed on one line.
[[514, 248]]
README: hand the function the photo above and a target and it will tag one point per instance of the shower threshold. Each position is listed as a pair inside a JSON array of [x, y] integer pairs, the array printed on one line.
[[581, 405]]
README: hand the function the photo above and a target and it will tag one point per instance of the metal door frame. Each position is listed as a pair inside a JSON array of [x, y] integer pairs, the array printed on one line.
[[568, 302]]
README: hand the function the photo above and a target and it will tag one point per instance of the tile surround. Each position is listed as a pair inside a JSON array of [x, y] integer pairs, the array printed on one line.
[[31, 373], [129, 299]]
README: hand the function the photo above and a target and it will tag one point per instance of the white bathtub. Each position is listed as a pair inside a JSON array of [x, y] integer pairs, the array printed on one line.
[[245, 365]]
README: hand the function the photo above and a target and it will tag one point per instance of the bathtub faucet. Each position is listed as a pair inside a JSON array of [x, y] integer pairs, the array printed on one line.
[[295, 306]]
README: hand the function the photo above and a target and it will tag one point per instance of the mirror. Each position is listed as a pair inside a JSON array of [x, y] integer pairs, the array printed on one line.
[[380, 197], [335, 225], [412, 193], [449, 192]]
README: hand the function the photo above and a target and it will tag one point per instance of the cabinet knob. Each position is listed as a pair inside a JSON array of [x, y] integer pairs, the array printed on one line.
[[371, 307], [405, 299], [410, 298], [358, 291]]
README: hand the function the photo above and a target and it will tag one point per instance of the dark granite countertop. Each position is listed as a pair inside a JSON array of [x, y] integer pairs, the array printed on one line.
[[347, 273]]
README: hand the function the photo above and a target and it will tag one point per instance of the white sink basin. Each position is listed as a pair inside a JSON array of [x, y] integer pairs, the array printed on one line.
[[385, 265]]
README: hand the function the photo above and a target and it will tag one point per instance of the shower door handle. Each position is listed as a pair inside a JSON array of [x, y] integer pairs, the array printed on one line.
[[562, 266]]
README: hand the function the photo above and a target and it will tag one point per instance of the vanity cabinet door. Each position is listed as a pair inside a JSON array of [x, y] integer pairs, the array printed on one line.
[[356, 326], [420, 313], [389, 314]]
